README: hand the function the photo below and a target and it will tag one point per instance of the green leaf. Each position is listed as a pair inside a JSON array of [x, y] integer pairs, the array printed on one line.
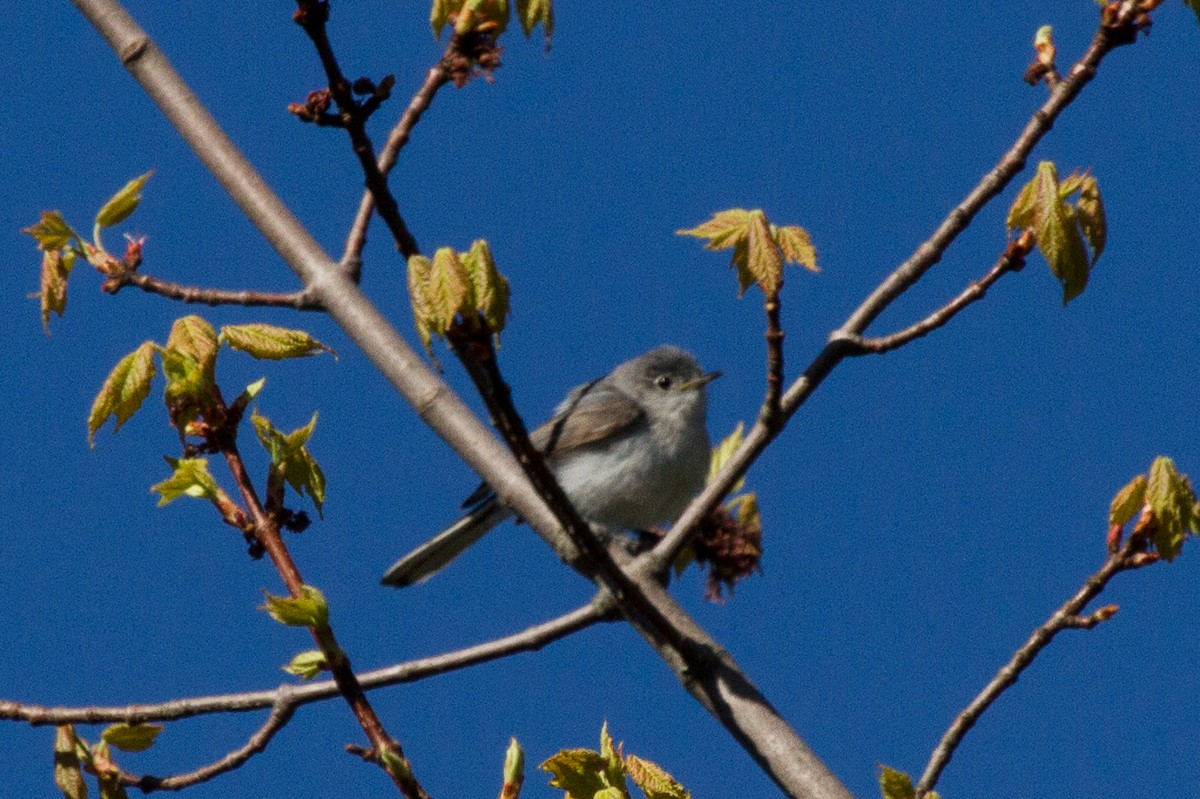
[[1023, 213], [51, 231], [190, 477], [654, 781], [194, 336], [448, 290], [764, 258], [189, 387], [111, 788], [291, 458], [489, 288], [440, 13], [532, 12], [1092, 222], [576, 771], [796, 246], [895, 784], [271, 343], [722, 452], [123, 203], [419, 268], [614, 766], [723, 231], [307, 610], [514, 770], [307, 665], [1062, 246], [56, 267], [124, 390], [1170, 496], [68, 774], [1128, 501], [131, 737]]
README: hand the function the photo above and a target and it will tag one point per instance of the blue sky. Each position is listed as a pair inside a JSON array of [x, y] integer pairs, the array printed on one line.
[[923, 513]]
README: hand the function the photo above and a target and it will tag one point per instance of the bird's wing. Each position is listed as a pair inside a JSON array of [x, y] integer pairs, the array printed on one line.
[[590, 413]]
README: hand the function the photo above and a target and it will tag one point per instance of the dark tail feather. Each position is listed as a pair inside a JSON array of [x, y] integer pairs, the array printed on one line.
[[432, 556]]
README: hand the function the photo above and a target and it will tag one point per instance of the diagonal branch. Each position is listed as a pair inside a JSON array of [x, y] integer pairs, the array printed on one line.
[[1129, 556], [299, 300], [1118, 27]]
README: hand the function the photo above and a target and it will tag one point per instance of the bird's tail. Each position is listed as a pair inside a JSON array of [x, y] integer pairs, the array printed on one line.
[[432, 556]]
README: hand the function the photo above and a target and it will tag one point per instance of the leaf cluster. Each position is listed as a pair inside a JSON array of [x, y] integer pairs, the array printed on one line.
[[760, 249], [588, 774], [1066, 229], [1169, 499], [457, 288], [73, 755], [61, 245], [494, 14], [895, 784]]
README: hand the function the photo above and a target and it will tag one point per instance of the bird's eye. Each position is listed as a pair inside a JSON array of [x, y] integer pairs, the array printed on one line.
[[663, 382]]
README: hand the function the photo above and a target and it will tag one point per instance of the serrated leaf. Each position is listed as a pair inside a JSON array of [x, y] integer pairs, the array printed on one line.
[[290, 456], [131, 737], [653, 780], [448, 290], [56, 267], [419, 268], [763, 256], [271, 343], [1072, 184], [532, 12], [1092, 222], [124, 390], [489, 288], [68, 773], [440, 14], [51, 231], [308, 610], [614, 765], [307, 665], [1062, 246], [191, 478], [1170, 496], [123, 203], [576, 771], [304, 475], [724, 230], [1023, 213], [194, 336], [1128, 501], [895, 784], [796, 246], [722, 452]]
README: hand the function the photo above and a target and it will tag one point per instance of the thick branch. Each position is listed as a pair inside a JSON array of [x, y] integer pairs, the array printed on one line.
[[1066, 617], [1113, 32]]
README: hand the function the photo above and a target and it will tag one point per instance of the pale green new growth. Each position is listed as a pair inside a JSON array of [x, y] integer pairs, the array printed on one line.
[[898, 785], [291, 459], [456, 287], [720, 455], [469, 14], [68, 773], [307, 665], [760, 249], [190, 477], [588, 774], [124, 390], [271, 343], [308, 610], [131, 737], [1173, 501], [1128, 501], [123, 203]]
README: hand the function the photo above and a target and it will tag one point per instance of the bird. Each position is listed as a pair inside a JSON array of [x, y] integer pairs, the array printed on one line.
[[629, 449]]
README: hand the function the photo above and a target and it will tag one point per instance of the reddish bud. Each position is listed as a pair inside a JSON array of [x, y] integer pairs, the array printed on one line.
[[1113, 540]]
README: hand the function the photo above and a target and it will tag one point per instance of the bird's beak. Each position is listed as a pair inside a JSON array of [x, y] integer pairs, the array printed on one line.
[[703, 380]]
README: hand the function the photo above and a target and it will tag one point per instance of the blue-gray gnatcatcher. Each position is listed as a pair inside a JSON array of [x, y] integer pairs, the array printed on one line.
[[629, 449]]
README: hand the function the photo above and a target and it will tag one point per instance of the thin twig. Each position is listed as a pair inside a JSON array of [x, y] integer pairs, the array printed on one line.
[[531, 639], [1117, 28], [1013, 260], [298, 300], [1065, 618], [770, 414], [437, 77], [312, 15]]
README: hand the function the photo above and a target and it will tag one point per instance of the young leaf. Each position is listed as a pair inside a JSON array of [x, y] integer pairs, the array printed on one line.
[[1062, 245], [723, 231], [614, 766], [304, 475], [1128, 501], [764, 260], [440, 13], [760, 249], [307, 665], [1170, 496], [308, 610], [51, 231], [290, 456], [189, 387], [68, 774], [531, 12], [131, 737], [576, 771], [123, 203], [514, 770], [721, 453], [895, 784], [190, 477], [419, 268], [1091, 217], [796, 245], [271, 343], [56, 267], [194, 336], [488, 287], [124, 390], [655, 782], [448, 290]]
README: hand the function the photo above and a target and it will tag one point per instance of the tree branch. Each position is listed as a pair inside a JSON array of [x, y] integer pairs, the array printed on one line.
[[299, 300], [1129, 556], [1117, 28], [531, 639]]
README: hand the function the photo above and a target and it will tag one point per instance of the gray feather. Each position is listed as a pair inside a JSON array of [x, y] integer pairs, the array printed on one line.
[[432, 556]]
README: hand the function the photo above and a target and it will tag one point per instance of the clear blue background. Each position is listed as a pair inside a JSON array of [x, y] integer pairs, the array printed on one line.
[[923, 513]]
